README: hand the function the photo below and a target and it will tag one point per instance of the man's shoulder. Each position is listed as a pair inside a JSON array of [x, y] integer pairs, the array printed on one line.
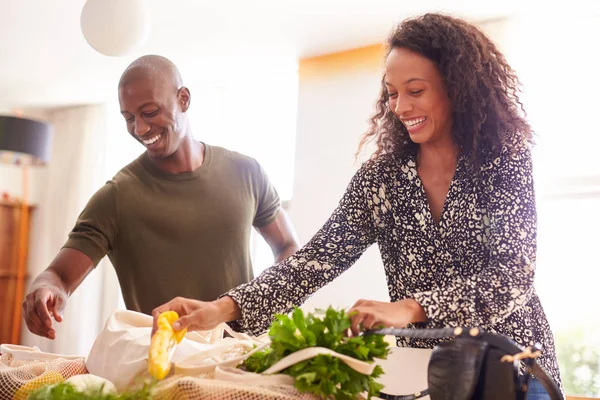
[[129, 173], [234, 163], [225, 155]]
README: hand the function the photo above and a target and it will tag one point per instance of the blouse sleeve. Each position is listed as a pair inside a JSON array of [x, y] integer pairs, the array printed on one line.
[[348, 232]]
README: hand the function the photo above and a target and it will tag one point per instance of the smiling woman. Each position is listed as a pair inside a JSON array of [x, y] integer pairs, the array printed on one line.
[[417, 95]]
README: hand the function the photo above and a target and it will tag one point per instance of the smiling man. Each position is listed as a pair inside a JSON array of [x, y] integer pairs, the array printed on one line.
[[174, 222]]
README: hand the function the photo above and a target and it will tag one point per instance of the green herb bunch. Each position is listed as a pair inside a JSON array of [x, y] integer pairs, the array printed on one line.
[[323, 375]]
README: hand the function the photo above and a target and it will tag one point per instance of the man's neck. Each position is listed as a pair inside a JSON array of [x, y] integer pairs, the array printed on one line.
[[188, 157]]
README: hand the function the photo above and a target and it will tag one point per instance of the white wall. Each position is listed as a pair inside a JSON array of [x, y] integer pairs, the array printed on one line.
[[254, 114], [333, 108]]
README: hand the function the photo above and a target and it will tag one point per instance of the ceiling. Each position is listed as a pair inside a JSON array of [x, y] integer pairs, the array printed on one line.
[[45, 60]]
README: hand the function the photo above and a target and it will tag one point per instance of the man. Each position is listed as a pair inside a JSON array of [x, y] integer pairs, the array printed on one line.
[[174, 222]]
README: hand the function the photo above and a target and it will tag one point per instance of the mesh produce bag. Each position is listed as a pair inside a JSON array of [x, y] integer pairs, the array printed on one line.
[[25, 369], [188, 388]]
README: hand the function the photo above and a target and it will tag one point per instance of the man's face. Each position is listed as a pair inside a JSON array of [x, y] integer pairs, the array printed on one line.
[[153, 110]]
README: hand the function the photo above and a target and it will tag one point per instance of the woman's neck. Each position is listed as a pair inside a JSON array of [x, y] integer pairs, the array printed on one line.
[[438, 157]]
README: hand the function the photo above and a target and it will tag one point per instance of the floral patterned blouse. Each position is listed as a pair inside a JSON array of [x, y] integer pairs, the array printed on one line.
[[475, 267]]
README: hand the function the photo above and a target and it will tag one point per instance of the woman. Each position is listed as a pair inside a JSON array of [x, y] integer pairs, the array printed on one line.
[[448, 196]]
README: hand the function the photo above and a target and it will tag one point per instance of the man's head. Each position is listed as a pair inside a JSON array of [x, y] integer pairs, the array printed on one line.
[[153, 101]]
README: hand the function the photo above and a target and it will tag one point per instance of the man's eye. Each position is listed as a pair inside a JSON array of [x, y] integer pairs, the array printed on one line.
[[150, 114]]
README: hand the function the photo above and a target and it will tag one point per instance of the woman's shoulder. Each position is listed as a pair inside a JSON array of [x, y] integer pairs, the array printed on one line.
[[510, 167], [386, 166], [512, 156]]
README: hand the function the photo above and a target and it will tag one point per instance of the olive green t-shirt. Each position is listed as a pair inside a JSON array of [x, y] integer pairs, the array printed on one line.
[[170, 235]]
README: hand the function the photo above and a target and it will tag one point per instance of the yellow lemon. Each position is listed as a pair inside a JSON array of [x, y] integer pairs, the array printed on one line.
[[47, 378]]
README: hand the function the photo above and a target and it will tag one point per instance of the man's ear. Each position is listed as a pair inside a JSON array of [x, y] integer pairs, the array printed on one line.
[[184, 97]]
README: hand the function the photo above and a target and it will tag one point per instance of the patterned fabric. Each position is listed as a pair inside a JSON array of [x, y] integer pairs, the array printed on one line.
[[475, 268]]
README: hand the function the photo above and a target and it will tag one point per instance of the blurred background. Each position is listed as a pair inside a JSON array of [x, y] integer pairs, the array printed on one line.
[[292, 83]]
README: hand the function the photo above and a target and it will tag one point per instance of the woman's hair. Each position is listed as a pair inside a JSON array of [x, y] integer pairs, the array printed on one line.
[[482, 88]]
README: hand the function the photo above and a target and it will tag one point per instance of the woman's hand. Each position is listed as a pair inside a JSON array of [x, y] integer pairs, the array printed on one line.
[[198, 315], [369, 314]]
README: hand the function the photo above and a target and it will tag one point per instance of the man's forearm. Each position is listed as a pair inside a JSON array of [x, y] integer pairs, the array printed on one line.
[[49, 278], [66, 272]]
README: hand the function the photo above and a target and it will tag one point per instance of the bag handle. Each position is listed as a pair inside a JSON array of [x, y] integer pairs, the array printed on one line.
[[220, 353], [26, 353], [362, 367], [515, 353]]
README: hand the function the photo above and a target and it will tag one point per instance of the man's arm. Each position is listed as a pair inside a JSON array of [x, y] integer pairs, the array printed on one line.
[[280, 236], [89, 241], [49, 292]]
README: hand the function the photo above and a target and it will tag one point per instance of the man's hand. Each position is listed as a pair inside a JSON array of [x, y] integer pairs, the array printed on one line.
[[49, 292], [373, 314], [40, 306], [198, 315]]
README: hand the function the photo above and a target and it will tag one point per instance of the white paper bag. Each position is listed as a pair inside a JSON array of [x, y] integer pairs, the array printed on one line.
[[120, 352]]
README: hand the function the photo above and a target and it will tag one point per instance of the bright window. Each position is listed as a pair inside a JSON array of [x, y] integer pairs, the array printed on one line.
[[559, 71]]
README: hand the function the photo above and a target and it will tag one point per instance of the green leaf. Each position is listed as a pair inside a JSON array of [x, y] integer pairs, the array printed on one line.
[[307, 377]]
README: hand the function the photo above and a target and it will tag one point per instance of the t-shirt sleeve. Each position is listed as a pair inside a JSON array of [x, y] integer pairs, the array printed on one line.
[[95, 230], [267, 199]]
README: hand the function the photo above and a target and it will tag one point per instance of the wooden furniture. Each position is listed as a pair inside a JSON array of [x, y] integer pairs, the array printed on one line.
[[11, 281]]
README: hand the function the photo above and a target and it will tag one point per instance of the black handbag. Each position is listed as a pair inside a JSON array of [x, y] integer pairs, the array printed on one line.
[[475, 365]]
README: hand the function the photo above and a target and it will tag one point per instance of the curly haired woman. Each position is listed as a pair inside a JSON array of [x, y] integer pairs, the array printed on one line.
[[448, 197]]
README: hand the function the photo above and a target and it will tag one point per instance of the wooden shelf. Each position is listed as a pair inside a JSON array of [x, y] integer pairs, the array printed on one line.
[[10, 225]]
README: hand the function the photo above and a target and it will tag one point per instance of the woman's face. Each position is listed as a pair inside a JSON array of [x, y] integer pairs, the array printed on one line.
[[418, 97]]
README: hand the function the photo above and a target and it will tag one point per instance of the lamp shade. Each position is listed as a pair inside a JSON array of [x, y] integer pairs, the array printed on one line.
[[24, 141], [115, 27]]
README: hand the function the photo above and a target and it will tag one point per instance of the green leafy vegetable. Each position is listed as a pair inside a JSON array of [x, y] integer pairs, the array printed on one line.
[[322, 375]]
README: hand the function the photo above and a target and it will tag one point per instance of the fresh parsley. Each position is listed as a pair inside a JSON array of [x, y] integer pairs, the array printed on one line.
[[324, 375]]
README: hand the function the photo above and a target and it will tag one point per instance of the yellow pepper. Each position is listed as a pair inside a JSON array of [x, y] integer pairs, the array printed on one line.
[[162, 345]]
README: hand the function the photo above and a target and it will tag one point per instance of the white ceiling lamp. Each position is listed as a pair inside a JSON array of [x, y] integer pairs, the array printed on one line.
[[115, 27]]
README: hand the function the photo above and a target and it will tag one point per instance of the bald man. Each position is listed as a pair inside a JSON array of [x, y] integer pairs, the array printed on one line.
[[174, 222]]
